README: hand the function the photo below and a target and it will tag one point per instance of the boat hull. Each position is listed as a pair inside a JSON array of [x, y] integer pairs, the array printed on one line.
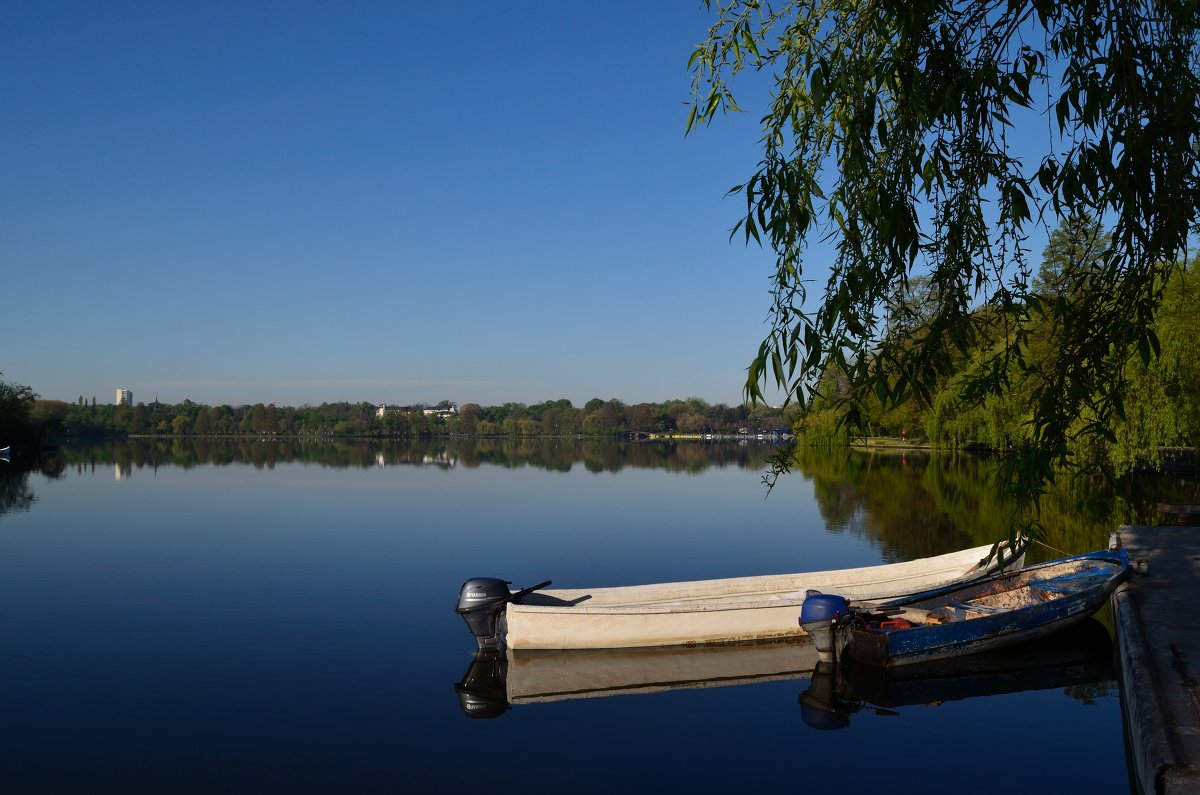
[[1037, 606], [720, 611]]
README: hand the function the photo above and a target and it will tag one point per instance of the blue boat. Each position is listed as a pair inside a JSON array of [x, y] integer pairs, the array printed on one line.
[[996, 611]]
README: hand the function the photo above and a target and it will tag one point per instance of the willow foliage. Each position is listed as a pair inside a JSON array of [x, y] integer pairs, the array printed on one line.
[[887, 134]]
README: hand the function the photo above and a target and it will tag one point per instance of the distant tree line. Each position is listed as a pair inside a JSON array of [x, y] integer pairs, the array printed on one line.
[[87, 418]]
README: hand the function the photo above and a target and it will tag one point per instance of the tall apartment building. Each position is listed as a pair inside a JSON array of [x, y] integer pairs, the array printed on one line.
[[124, 397]]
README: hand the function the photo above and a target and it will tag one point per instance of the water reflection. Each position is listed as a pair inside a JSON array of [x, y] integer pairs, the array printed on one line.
[[496, 680], [554, 454], [916, 505], [16, 493], [908, 504], [1078, 661]]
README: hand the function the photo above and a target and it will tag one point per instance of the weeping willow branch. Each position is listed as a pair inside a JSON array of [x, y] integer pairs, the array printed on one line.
[[887, 134]]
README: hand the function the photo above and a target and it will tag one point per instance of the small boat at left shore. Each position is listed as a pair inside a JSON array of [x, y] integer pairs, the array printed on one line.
[[735, 610], [996, 611]]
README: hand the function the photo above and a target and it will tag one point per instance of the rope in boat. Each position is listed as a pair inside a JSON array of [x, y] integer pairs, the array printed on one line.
[[1052, 549]]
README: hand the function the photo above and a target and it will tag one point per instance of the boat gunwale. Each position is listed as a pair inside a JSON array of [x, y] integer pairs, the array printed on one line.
[[990, 630], [1117, 559], [771, 590]]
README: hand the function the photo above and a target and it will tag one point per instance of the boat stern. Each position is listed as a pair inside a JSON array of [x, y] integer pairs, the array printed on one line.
[[819, 617], [481, 603]]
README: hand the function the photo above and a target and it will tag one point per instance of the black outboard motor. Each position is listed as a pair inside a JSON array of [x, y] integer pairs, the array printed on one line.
[[481, 603]]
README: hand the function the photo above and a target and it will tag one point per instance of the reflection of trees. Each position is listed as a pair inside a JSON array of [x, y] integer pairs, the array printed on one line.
[[15, 492], [914, 505], [909, 505], [884, 499], [553, 454]]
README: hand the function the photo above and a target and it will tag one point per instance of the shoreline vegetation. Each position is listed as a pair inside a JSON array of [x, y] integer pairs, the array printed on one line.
[[690, 418], [54, 421]]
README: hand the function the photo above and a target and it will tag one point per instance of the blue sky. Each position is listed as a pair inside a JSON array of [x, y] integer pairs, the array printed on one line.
[[299, 202], [237, 202]]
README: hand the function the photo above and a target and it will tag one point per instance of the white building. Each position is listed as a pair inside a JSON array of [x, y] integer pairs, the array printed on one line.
[[124, 397]]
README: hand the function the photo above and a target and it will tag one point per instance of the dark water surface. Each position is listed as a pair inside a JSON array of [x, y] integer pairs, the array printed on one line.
[[260, 616]]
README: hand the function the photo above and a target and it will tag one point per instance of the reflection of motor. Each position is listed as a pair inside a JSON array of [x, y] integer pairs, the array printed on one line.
[[820, 706], [826, 705], [483, 692], [481, 603]]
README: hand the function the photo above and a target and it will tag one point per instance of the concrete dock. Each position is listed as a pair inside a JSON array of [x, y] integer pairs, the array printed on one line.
[[1157, 615]]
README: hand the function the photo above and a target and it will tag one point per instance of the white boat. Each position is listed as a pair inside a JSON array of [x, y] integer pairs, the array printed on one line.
[[733, 610]]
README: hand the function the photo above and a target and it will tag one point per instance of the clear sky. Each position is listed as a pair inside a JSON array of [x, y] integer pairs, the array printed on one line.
[[298, 202], [245, 201]]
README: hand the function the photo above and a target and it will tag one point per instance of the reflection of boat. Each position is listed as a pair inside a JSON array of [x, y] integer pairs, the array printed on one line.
[[996, 611], [554, 675], [705, 611], [1078, 656], [499, 678]]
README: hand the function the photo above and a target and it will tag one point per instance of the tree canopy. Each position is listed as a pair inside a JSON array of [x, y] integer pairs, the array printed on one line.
[[890, 133], [16, 402]]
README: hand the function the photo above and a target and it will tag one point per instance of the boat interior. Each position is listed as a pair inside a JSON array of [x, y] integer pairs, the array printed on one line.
[[1019, 589]]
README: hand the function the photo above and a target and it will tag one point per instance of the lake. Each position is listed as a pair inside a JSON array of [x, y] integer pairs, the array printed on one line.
[[265, 616]]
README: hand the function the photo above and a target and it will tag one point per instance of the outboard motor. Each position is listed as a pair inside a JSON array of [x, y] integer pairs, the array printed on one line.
[[481, 603], [819, 616]]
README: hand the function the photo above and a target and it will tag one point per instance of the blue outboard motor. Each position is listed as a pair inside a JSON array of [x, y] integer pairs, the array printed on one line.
[[819, 615]]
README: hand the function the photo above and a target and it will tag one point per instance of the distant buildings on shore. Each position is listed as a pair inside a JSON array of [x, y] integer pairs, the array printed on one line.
[[441, 410]]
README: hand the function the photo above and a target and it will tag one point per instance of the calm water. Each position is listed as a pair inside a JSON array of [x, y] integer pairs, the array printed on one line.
[[261, 616]]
